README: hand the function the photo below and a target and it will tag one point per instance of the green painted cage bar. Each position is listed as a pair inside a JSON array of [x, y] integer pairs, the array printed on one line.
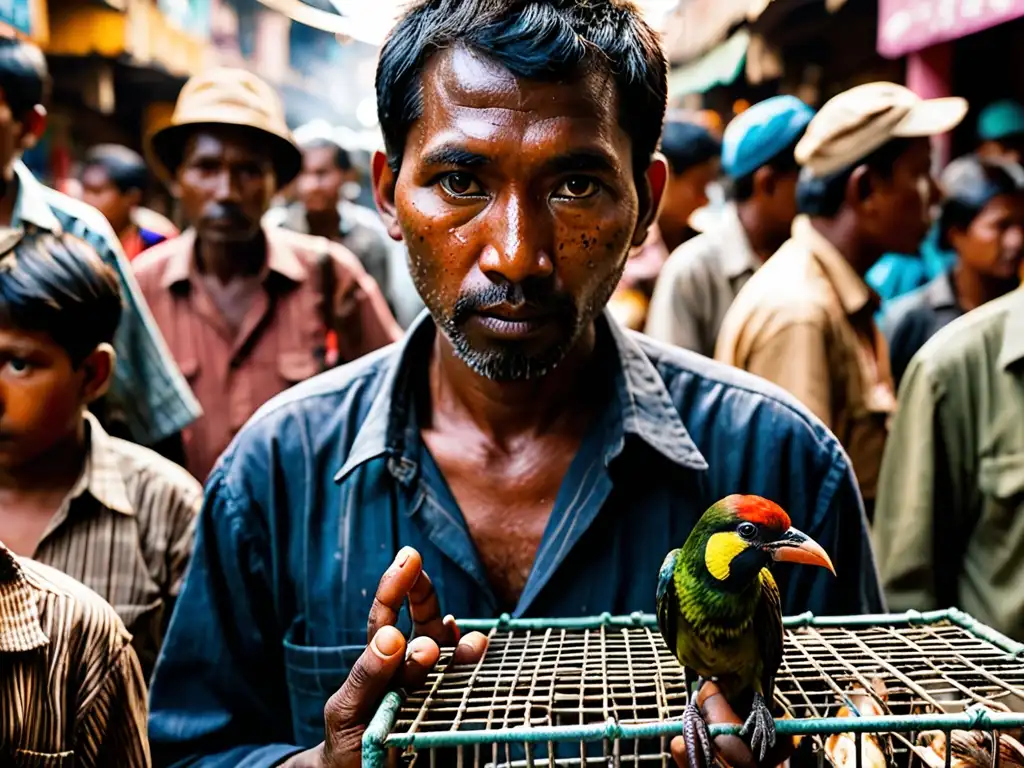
[[377, 739]]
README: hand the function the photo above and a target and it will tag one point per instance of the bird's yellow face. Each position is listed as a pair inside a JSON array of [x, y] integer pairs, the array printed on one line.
[[722, 548], [750, 546]]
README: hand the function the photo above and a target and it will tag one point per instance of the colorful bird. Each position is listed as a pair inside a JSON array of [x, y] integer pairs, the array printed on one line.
[[720, 612]]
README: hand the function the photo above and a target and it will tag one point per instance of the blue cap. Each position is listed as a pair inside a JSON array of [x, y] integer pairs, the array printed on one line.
[[1000, 120], [757, 135]]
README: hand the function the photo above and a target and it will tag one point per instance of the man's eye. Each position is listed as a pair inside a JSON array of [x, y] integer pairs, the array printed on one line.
[[460, 185], [577, 188], [18, 366]]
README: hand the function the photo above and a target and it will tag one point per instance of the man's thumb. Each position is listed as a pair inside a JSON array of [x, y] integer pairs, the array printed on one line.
[[360, 695]]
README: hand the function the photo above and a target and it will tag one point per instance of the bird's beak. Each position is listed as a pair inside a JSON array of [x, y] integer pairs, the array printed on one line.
[[797, 547]]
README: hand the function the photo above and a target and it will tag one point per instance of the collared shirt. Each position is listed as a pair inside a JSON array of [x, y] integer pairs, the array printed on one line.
[[148, 390], [310, 504], [949, 526], [912, 319], [279, 340], [804, 321], [71, 691], [126, 530], [700, 282]]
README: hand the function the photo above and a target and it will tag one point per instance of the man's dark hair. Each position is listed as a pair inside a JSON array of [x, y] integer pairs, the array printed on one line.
[[548, 40], [686, 145], [742, 188], [124, 167], [59, 286], [824, 196], [24, 77], [969, 184], [342, 158]]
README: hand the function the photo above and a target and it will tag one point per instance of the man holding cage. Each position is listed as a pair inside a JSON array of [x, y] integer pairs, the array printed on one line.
[[539, 459]]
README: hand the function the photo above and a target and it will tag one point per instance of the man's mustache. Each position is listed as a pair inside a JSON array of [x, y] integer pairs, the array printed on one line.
[[219, 212], [532, 294]]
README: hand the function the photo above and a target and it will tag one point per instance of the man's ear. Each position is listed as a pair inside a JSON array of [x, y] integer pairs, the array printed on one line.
[[860, 188], [765, 181], [99, 372], [384, 180], [33, 127], [650, 195]]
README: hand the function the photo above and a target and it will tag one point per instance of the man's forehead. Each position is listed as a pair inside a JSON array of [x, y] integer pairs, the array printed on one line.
[[227, 141], [469, 93]]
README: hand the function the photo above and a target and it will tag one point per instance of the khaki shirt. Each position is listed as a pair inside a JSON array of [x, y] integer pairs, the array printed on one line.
[[949, 522], [71, 691], [233, 374], [698, 284], [126, 531], [804, 321]]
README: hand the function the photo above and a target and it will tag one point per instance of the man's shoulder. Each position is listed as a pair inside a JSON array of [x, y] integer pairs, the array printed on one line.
[[311, 249], [156, 484], [909, 309], [720, 398], [697, 256], [149, 265], [974, 339]]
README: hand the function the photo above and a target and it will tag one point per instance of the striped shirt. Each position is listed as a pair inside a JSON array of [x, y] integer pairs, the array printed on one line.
[[148, 389], [125, 530], [71, 691]]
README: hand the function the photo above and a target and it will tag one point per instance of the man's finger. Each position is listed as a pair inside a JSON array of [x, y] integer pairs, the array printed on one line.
[[420, 658], [471, 649], [352, 706], [395, 585], [425, 609]]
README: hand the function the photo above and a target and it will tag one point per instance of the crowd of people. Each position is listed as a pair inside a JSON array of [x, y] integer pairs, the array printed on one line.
[[824, 324]]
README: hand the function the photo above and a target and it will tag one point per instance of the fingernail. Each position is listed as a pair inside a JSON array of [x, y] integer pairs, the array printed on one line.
[[403, 556], [387, 642]]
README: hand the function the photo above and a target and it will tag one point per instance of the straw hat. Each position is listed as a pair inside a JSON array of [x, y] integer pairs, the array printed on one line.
[[225, 96]]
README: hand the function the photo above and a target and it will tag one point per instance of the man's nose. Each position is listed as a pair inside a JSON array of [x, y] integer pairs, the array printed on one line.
[[518, 244], [226, 187]]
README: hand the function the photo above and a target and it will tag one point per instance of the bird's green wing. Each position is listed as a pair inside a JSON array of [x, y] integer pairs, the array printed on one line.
[[668, 601], [768, 624]]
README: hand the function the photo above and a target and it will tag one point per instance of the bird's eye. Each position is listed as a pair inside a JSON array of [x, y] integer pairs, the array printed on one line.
[[747, 530]]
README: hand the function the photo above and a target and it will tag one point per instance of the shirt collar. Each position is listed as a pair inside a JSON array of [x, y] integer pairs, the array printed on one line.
[[20, 627], [738, 258], [939, 292], [1013, 332], [281, 258], [31, 205], [645, 407], [101, 476], [854, 294]]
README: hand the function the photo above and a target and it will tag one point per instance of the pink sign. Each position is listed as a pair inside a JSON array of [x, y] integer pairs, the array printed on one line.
[[905, 26]]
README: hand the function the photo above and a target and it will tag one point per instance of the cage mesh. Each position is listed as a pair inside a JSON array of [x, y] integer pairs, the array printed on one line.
[[534, 678]]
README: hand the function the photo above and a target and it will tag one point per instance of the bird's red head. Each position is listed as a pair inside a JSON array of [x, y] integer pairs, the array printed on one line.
[[759, 511]]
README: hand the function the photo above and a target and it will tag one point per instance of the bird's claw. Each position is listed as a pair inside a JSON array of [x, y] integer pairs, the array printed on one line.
[[759, 729], [697, 738]]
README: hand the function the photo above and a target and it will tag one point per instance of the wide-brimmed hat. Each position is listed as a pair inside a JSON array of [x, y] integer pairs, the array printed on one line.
[[225, 96], [855, 123]]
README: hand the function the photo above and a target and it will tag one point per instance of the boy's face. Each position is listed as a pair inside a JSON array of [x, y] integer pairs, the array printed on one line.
[[41, 395]]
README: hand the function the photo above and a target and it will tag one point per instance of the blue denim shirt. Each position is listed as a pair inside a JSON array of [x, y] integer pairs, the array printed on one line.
[[312, 500]]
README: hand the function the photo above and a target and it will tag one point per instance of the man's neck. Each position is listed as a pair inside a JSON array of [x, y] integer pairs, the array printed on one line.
[[226, 261], [503, 410], [9, 197], [974, 289], [52, 472], [325, 223], [764, 241], [841, 231]]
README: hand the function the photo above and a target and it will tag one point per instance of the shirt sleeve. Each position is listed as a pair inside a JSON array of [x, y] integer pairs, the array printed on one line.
[[918, 473], [219, 697], [113, 726], [796, 358], [148, 388]]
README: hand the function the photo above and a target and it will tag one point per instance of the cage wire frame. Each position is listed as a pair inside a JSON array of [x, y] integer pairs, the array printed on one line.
[[379, 737]]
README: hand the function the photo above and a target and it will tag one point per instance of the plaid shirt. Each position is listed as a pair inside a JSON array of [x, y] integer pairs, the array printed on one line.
[[125, 530], [71, 691], [148, 389]]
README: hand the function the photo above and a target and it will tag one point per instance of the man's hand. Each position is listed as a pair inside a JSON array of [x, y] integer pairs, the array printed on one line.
[[731, 750], [388, 661]]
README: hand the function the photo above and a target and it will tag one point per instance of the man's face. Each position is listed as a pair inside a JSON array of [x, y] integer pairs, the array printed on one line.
[[779, 204], [319, 184], [14, 139], [226, 181], [1008, 150], [41, 396], [903, 204], [685, 193], [993, 243], [101, 193], [518, 203]]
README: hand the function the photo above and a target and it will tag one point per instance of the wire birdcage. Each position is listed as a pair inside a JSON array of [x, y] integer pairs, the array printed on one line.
[[607, 691]]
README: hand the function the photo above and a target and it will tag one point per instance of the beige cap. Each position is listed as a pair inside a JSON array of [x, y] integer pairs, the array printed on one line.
[[855, 123], [225, 96]]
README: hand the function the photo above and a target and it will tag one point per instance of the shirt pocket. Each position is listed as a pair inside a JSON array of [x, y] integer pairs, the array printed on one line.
[[313, 675], [26, 759], [1001, 480]]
